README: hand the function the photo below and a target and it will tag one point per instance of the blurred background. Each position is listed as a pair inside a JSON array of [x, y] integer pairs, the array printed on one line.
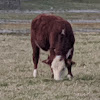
[[16, 15]]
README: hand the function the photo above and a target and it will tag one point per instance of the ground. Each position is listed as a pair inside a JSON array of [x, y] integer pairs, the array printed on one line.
[[16, 67], [20, 22]]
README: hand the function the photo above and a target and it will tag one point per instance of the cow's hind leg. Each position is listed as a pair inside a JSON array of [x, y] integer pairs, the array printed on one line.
[[36, 52]]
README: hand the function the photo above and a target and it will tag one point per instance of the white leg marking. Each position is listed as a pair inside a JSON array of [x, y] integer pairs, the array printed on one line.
[[69, 77], [35, 73]]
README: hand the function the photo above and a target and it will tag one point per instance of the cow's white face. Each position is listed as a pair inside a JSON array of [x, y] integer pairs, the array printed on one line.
[[59, 68]]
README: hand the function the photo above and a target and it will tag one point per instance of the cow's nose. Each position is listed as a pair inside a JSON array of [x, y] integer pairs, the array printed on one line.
[[57, 78]]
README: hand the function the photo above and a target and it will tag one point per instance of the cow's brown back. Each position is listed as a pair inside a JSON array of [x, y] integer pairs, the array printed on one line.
[[44, 28]]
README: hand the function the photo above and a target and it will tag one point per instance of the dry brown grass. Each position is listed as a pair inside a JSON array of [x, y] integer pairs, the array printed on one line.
[[16, 66], [86, 25], [15, 26]]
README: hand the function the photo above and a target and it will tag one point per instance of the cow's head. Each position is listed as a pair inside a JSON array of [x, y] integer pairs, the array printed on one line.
[[60, 66], [61, 61]]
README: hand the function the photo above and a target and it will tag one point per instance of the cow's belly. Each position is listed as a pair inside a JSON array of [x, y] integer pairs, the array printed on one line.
[[44, 45]]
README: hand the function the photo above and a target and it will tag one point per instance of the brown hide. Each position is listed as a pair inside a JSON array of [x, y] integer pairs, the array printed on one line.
[[46, 34]]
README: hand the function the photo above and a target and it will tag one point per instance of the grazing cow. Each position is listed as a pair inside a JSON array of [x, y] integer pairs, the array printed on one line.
[[53, 33]]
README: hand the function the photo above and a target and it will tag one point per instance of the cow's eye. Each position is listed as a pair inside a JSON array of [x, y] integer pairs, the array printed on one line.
[[61, 59]]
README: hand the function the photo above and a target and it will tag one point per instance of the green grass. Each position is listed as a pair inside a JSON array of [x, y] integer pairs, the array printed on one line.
[[3, 84], [59, 4], [65, 15], [17, 16], [16, 67]]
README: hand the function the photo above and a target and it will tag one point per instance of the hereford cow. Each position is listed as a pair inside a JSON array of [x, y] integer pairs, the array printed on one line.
[[53, 33]]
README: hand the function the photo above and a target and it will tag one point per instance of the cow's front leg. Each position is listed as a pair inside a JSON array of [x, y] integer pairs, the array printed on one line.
[[70, 75], [70, 63]]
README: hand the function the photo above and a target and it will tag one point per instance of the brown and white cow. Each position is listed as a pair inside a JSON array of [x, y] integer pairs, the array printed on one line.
[[53, 33]]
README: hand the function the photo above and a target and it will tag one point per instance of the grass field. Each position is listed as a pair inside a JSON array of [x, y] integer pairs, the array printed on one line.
[[21, 22], [65, 15], [16, 67], [59, 4]]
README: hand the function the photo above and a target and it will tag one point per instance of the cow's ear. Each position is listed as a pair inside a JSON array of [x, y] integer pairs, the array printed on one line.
[[70, 62], [47, 62], [63, 32], [73, 63]]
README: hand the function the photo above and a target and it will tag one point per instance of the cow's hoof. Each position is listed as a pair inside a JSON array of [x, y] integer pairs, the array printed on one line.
[[69, 77], [35, 73], [52, 76]]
